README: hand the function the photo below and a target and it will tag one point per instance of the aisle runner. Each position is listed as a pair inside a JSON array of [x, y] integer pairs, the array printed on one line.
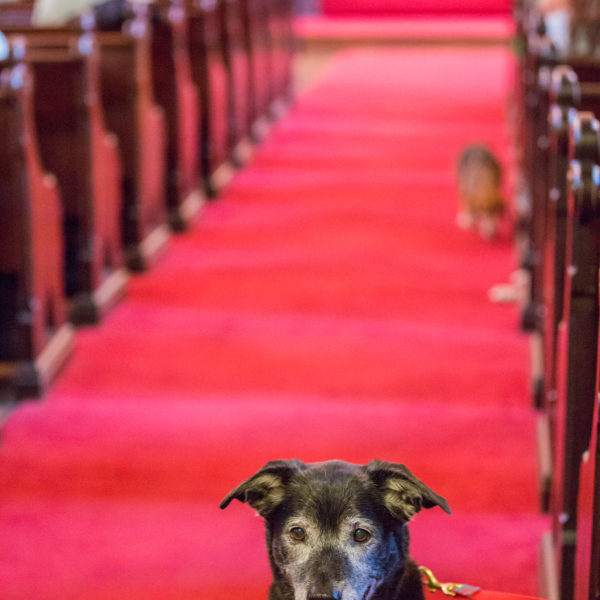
[[326, 307]]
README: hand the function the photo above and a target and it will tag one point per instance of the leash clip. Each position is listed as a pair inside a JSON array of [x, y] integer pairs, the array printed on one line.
[[449, 589]]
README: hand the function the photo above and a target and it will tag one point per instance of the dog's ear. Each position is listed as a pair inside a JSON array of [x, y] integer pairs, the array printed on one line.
[[402, 493], [265, 489]]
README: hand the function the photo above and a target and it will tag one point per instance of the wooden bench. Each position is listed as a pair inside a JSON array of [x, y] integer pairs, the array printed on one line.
[[257, 16], [210, 73], [174, 91], [177, 94], [587, 534], [562, 252], [587, 552], [539, 58], [282, 53], [236, 41], [130, 111], [35, 338], [139, 123], [566, 95], [576, 350], [576, 497], [76, 147]]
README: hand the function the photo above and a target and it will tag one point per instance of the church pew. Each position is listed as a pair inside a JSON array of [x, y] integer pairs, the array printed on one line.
[[565, 394], [538, 60], [130, 111], [282, 52], [566, 95], [177, 94], [139, 122], [209, 71], [576, 354], [587, 553], [565, 387], [584, 574], [35, 338], [564, 99], [262, 89], [75, 146], [237, 59], [17, 14], [531, 197]]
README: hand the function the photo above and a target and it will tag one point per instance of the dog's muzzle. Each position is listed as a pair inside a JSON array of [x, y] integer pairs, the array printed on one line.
[[324, 594]]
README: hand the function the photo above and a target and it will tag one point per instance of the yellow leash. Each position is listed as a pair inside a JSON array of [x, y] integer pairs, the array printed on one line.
[[450, 589]]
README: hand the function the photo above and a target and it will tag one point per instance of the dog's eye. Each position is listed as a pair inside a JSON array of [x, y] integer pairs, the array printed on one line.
[[361, 536], [298, 534]]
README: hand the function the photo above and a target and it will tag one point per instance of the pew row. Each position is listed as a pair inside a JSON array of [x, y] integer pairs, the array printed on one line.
[[76, 147], [131, 113], [586, 551], [210, 74], [559, 141], [174, 91], [36, 338], [139, 123]]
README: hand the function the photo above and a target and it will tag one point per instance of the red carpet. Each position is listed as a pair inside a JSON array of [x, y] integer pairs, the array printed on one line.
[[412, 7], [326, 307]]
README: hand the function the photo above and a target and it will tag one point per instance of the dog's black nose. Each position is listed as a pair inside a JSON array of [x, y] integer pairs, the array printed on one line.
[[329, 595]]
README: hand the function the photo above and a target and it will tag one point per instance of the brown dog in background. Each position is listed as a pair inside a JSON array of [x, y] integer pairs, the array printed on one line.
[[480, 189]]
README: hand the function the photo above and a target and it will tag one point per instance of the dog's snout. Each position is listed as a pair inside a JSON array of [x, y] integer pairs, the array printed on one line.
[[328, 595]]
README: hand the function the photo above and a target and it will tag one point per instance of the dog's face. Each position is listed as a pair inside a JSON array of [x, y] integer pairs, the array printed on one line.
[[336, 530]]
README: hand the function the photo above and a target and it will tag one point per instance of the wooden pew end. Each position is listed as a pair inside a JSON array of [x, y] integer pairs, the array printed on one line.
[[221, 178], [544, 444], [530, 317], [547, 574], [145, 254], [30, 379], [184, 217], [242, 152], [89, 308], [537, 369]]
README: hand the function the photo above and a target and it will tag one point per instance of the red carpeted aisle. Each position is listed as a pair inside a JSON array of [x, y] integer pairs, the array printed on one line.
[[326, 307]]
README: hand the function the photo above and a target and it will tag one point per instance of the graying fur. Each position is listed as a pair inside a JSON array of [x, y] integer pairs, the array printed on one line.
[[329, 501]]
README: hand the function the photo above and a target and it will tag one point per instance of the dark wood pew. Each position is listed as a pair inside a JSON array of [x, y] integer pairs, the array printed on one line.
[[174, 91], [262, 87], [139, 122], [538, 60], [537, 57], [130, 110], [587, 554], [583, 479], [35, 338], [75, 146], [282, 53], [17, 14], [576, 353], [210, 73], [566, 95], [177, 94], [564, 98], [236, 42]]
